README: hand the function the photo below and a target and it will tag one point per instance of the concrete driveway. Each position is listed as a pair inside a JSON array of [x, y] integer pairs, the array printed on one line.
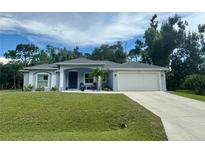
[[183, 118]]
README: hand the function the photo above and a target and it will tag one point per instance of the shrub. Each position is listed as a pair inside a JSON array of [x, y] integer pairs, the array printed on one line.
[[195, 82], [106, 88], [28, 88], [174, 81], [54, 88], [40, 89]]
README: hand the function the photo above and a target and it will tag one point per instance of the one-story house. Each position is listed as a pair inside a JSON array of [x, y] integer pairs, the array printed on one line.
[[68, 75]]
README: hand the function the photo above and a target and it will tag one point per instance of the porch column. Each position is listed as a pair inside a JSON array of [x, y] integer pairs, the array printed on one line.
[[99, 83], [61, 78]]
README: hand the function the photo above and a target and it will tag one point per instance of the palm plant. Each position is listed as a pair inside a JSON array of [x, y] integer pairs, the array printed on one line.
[[98, 73]]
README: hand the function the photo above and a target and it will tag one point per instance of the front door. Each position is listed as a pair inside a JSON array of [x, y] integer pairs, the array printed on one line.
[[73, 80]]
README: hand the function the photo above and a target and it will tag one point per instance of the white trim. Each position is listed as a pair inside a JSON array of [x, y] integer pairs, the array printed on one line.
[[24, 71], [46, 69], [81, 63], [78, 67], [84, 78], [160, 82], [139, 69]]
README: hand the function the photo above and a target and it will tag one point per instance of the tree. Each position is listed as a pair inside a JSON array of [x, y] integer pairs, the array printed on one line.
[[161, 43], [87, 55], [194, 55], [10, 77], [23, 52], [76, 53], [113, 53], [119, 54], [134, 54], [63, 54], [154, 22], [187, 60], [40, 58], [52, 53], [177, 75], [104, 52], [201, 30], [195, 82]]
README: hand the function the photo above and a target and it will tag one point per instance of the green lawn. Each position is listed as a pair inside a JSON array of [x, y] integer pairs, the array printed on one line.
[[66, 116], [189, 94]]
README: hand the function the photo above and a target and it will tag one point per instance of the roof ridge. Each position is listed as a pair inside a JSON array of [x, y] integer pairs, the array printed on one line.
[[143, 63]]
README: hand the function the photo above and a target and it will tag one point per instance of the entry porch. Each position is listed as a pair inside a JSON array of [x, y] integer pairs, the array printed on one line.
[[73, 79]]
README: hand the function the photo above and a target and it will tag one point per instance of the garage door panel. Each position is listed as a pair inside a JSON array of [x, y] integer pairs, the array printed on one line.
[[138, 81]]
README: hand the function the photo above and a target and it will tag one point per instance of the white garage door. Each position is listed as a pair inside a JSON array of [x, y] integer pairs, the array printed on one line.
[[138, 81]]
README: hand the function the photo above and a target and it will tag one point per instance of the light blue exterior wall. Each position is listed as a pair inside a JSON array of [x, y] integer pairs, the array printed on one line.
[[26, 79], [59, 78], [64, 78], [81, 75], [30, 78]]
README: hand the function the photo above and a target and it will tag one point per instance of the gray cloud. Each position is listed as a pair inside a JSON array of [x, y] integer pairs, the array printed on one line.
[[84, 28]]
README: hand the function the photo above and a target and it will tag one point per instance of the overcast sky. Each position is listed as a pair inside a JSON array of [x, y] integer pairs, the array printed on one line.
[[87, 30]]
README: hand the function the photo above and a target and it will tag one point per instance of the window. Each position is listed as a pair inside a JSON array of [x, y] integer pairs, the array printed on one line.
[[42, 80], [88, 78]]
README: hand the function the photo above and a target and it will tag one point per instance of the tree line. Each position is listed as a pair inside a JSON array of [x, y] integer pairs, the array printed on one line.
[[29, 55], [169, 45]]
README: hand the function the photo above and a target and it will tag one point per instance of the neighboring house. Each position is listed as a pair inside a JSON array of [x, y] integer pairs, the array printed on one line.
[[68, 75]]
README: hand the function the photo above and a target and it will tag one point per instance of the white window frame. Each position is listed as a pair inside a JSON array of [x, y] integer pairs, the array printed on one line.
[[37, 79], [85, 80]]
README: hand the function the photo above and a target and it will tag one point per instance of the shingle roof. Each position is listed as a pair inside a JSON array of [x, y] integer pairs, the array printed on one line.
[[106, 64], [82, 61], [138, 65], [43, 66], [110, 64]]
